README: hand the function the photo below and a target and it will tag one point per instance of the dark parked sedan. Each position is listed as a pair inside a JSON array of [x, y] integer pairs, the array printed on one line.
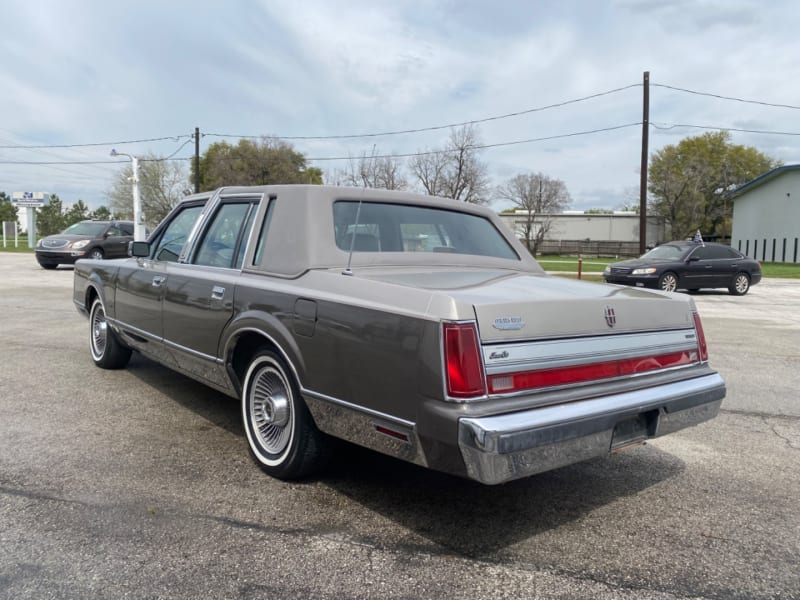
[[688, 265], [87, 239]]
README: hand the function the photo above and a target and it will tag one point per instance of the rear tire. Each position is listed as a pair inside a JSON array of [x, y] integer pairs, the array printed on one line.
[[107, 351], [283, 439], [740, 284], [48, 266], [668, 282]]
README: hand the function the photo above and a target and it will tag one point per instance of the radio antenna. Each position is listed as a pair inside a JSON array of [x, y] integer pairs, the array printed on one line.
[[348, 270]]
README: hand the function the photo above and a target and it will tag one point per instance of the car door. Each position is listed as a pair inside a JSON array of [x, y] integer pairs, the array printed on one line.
[[199, 293], [725, 263], [141, 283], [698, 269], [115, 242]]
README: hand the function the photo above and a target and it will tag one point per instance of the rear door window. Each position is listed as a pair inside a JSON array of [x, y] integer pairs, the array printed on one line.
[[225, 239]]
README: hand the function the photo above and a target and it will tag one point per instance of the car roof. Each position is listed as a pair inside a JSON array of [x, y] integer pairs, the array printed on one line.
[[106, 221]]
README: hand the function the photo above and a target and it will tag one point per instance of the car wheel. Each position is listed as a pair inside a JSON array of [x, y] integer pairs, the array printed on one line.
[[740, 284], [668, 282], [96, 253], [107, 351], [283, 439], [48, 266]]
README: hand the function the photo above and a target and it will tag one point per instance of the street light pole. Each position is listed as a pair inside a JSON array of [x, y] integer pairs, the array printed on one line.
[[138, 224]]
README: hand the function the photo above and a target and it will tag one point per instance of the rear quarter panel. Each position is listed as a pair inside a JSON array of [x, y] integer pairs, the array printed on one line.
[[98, 276]]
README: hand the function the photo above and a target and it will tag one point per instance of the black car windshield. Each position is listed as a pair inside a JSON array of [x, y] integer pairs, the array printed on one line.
[[90, 229], [665, 252]]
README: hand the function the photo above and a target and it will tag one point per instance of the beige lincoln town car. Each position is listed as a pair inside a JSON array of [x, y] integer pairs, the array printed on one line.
[[415, 326]]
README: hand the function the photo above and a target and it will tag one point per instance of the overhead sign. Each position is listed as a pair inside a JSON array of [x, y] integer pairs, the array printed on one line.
[[29, 199]]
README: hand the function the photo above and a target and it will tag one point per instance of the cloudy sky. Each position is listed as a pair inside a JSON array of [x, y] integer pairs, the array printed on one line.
[[95, 75]]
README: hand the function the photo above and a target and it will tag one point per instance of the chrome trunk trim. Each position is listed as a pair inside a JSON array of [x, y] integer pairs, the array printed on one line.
[[529, 356]]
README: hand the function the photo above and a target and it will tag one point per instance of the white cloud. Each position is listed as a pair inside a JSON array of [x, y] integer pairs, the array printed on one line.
[[115, 72]]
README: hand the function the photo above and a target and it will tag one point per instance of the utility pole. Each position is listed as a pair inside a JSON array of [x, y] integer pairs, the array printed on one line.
[[643, 170], [139, 231], [196, 160]]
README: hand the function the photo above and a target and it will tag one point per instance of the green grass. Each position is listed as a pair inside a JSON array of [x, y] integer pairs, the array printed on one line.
[[22, 246], [570, 263], [785, 270]]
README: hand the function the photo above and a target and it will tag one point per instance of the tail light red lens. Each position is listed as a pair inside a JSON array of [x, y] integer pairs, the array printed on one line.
[[516, 382], [701, 338], [462, 359]]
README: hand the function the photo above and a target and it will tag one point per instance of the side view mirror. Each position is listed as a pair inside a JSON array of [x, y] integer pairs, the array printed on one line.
[[693, 259], [139, 249]]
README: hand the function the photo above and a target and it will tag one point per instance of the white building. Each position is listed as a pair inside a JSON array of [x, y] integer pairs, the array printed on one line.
[[612, 233], [766, 216]]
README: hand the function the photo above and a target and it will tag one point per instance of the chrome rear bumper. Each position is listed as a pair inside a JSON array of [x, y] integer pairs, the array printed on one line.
[[505, 447]]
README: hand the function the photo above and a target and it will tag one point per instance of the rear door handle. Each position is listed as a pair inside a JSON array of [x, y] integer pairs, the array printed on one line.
[[217, 292], [158, 280]]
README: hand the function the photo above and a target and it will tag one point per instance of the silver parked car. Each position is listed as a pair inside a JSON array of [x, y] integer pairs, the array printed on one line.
[[415, 326]]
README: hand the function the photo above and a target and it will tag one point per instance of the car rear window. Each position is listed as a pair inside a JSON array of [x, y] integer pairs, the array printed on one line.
[[385, 227]]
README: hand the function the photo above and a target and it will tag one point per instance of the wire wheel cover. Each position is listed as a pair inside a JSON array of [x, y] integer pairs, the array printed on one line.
[[271, 410], [99, 332]]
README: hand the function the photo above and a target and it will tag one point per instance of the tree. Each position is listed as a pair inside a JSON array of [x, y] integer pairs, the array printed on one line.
[[162, 184], [77, 212], [538, 197], [8, 212], [374, 171], [50, 217], [263, 162], [101, 214], [455, 170], [691, 182]]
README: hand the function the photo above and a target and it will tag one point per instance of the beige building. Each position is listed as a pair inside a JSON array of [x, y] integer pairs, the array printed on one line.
[[615, 233]]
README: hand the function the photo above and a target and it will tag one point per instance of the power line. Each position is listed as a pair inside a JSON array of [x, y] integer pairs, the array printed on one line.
[[485, 146], [721, 97], [331, 158], [175, 138], [663, 126], [666, 127], [432, 128]]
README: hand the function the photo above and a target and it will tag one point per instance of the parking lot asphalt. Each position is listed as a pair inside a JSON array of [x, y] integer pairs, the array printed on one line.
[[137, 483]]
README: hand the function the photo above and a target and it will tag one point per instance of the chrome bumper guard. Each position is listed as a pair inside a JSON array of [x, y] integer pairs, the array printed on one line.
[[505, 447]]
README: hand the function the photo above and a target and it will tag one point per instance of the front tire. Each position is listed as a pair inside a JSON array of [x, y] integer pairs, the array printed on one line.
[[96, 254], [48, 266], [668, 282], [283, 439], [740, 285], [107, 351]]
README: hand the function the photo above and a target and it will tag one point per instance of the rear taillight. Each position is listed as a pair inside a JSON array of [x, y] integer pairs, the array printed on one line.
[[701, 338], [462, 361]]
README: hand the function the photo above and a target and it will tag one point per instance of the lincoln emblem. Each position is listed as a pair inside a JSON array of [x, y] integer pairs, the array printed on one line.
[[611, 317]]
